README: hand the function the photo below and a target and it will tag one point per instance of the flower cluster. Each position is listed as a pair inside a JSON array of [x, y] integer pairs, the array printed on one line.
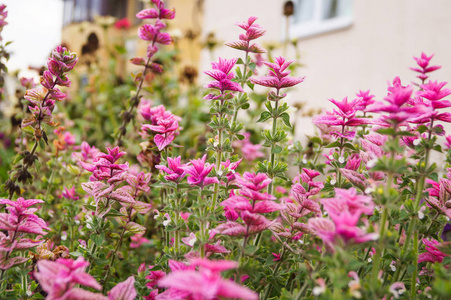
[[19, 222], [250, 204], [253, 31], [278, 76], [222, 79], [43, 99], [106, 185], [344, 210], [59, 280], [152, 33], [185, 282], [163, 122], [424, 68]]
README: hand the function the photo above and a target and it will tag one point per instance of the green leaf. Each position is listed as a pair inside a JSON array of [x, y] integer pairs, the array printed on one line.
[[276, 149], [250, 85], [240, 61], [18, 158], [76, 254], [42, 144], [264, 116], [97, 239], [135, 228], [286, 119], [335, 144]]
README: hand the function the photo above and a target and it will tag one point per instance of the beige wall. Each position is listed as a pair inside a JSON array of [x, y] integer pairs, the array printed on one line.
[[380, 44]]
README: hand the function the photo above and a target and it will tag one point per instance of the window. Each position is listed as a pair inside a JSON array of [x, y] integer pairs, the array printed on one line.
[[317, 16], [85, 10]]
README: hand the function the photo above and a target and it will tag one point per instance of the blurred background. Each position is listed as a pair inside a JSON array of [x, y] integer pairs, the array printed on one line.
[[341, 46]]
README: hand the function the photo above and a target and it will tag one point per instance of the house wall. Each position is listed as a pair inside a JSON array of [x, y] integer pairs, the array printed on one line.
[[379, 45]]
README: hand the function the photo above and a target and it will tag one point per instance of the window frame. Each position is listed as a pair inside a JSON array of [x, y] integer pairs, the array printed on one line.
[[318, 25]]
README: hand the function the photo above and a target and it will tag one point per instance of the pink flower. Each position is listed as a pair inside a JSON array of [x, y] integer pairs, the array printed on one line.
[[348, 200], [276, 257], [278, 76], [423, 63], [159, 13], [21, 218], [397, 105], [205, 283], [70, 194], [123, 24], [223, 78], [185, 215], [250, 151], [163, 122], [433, 254], [27, 83], [229, 168], [86, 154], [149, 32], [448, 142], [138, 240], [365, 100], [253, 31], [124, 290], [434, 91], [174, 170], [198, 171], [59, 278]]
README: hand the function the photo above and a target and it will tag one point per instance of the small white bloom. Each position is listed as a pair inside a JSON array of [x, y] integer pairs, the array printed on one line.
[[371, 163], [370, 259], [290, 147], [369, 190], [416, 142], [318, 290], [331, 157], [393, 266], [421, 212], [220, 172], [333, 182], [77, 222], [193, 240], [64, 236], [341, 159]]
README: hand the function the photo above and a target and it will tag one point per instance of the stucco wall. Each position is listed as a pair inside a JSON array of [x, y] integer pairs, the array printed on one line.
[[380, 44]]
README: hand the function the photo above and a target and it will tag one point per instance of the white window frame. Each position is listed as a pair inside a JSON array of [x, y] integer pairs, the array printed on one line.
[[318, 25]]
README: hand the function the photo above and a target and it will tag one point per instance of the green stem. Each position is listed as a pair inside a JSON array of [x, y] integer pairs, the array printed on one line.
[[273, 155], [274, 273], [134, 101], [377, 255], [113, 256], [413, 288]]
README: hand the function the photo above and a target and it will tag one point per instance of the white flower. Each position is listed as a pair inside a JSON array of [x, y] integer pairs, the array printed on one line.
[[341, 160], [421, 212], [167, 221]]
